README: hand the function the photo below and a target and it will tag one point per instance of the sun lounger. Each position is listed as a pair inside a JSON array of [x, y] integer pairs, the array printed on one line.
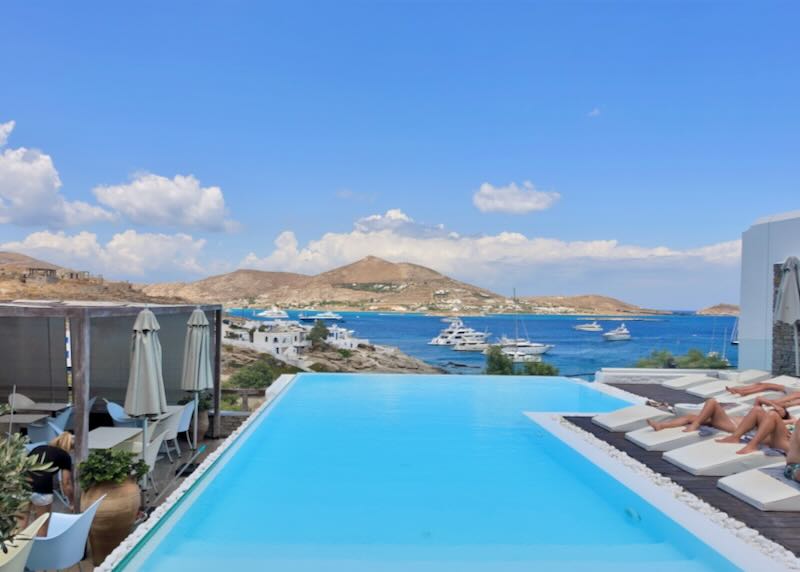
[[765, 488], [719, 387], [732, 407], [686, 381], [745, 377], [669, 439], [629, 418], [709, 458]]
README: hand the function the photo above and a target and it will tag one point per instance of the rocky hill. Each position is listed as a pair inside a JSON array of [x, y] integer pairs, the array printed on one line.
[[720, 310], [368, 284], [585, 304]]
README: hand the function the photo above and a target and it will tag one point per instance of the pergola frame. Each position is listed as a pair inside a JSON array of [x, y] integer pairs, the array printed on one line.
[[80, 316]]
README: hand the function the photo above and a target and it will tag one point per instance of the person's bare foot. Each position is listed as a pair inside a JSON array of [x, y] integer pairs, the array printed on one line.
[[654, 425], [747, 449], [691, 427], [728, 439]]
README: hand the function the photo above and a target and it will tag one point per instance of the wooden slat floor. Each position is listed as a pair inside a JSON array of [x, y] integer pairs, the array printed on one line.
[[782, 527]]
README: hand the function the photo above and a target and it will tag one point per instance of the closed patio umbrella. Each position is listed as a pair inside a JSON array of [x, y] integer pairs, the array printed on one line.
[[197, 374], [145, 395], [787, 302]]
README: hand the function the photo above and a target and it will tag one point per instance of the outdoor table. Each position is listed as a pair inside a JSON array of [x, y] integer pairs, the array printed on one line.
[[113, 437], [19, 420], [42, 407]]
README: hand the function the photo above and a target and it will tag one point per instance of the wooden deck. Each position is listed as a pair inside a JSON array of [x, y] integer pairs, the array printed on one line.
[[782, 527]]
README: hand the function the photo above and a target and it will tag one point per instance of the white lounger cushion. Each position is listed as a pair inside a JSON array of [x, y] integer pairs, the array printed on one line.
[[712, 388], [668, 439], [736, 407], [762, 490], [713, 459], [629, 418], [687, 381], [745, 376]]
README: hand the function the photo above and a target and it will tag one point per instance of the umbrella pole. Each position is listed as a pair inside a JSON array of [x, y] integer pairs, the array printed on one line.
[[796, 352], [196, 417], [144, 436]]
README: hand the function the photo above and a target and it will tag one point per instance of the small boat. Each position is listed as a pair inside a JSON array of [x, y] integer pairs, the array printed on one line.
[[518, 356], [322, 316], [619, 334], [273, 313], [593, 327]]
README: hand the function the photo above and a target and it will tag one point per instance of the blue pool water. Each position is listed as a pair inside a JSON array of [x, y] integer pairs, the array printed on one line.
[[574, 353], [388, 473]]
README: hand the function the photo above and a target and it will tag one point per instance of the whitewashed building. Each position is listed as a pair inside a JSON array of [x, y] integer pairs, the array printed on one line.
[[768, 242], [285, 339]]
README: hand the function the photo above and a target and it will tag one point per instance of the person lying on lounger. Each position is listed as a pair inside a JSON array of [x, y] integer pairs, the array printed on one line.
[[792, 470], [773, 431], [744, 390], [712, 414]]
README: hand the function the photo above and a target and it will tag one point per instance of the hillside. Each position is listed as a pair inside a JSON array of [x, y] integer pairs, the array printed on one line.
[[720, 310], [585, 304], [13, 262], [371, 283]]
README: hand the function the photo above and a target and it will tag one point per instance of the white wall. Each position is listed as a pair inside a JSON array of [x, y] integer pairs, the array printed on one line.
[[769, 241]]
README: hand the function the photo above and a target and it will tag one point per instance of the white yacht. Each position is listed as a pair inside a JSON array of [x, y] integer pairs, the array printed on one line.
[[273, 313], [619, 334], [519, 356], [525, 345], [324, 316], [593, 327], [457, 333], [473, 343]]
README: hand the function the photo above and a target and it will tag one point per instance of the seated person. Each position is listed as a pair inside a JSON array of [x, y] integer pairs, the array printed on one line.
[[57, 453]]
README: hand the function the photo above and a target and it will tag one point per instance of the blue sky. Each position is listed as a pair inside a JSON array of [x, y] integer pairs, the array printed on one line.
[[624, 146]]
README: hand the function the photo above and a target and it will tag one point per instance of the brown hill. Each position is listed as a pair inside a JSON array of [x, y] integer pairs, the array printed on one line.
[[585, 304], [720, 310], [370, 283], [14, 262]]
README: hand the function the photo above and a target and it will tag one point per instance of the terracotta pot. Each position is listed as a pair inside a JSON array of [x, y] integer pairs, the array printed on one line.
[[115, 515], [202, 424]]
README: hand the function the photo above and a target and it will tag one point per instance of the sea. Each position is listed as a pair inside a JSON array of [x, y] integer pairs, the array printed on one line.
[[575, 353]]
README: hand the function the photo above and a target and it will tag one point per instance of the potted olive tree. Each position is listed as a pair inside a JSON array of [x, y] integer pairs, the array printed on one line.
[[15, 492], [116, 474]]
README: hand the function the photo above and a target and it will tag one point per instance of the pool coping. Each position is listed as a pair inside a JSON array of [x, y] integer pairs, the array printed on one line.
[[128, 548], [734, 540]]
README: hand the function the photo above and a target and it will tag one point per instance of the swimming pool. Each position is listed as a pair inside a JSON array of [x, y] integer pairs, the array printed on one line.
[[398, 472]]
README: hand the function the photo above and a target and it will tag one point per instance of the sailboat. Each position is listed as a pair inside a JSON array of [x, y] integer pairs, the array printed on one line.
[[735, 333]]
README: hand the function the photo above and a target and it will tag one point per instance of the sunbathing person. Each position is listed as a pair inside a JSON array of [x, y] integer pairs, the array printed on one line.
[[773, 431], [792, 470], [744, 390], [713, 414]]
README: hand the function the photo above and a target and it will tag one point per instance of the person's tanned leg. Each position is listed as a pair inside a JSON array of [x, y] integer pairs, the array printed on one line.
[[750, 421], [712, 414]]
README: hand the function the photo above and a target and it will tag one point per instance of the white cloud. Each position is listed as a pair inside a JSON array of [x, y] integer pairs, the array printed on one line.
[[180, 202], [128, 253], [30, 191], [5, 130], [470, 257], [513, 198], [595, 112]]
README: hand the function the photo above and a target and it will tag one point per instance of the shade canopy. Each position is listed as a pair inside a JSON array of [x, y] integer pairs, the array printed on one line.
[[197, 374], [145, 394], [787, 300]]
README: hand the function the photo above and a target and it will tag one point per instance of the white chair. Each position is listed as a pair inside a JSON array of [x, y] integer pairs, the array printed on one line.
[[169, 428], [151, 457], [50, 428], [185, 423], [17, 551], [19, 401], [65, 542], [120, 418]]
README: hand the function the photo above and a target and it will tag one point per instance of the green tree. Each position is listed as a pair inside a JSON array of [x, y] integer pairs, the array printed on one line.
[[693, 359], [258, 374], [498, 363], [657, 358], [540, 368], [318, 334]]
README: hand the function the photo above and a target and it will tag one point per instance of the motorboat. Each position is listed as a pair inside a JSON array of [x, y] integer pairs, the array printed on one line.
[[619, 334], [593, 327], [273, 313], [518, 356], [457, 333], [475, 344], [321, 316], [525, 345]]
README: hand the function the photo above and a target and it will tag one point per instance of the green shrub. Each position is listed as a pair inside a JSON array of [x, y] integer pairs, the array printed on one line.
[[110, 466], [693, 359], [15, 488], [540, 368], [258, 374], [318, 334], [498, 363], [345, 353]]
